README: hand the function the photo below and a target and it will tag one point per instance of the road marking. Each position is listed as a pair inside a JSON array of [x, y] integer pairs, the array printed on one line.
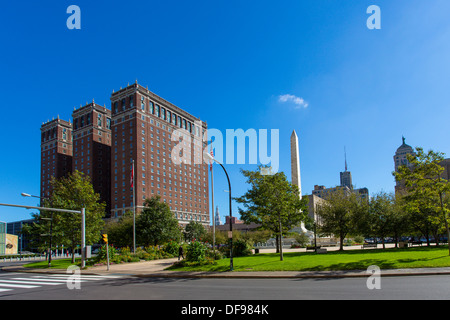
[[17, 285], [87, 276], [44, 279], [32, 282]]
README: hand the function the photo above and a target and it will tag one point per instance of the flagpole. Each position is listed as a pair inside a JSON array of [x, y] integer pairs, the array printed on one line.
[[212, 203], [134, 209]]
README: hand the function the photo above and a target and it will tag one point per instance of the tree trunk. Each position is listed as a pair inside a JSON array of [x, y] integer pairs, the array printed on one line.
[[341, 245], [445, 221], [277, 244], [281, 243]]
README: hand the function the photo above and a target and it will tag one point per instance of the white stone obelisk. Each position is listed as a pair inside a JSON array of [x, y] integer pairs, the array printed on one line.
[[295, 169], [295, 163]]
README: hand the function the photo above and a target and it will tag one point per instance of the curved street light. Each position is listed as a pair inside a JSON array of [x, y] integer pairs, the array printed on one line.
[[230, 235], [49, 251], [82, 212]]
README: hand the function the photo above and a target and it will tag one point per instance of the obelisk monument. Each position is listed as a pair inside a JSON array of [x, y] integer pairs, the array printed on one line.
[[295, 169], [295, 163]]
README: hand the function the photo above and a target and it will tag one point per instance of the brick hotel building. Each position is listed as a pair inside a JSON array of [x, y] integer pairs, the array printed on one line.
[[140, 126], [56, 152], [92, 148], [143, 127]]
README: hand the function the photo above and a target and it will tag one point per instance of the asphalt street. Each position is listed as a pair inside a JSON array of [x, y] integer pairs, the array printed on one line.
[[20, 286]]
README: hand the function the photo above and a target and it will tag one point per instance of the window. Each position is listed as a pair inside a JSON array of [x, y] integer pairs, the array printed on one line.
[[151, 109], [174, 119], [142, 103], [99, 120]]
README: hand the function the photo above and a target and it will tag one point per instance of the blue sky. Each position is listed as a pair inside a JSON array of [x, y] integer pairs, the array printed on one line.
[[228, 62]]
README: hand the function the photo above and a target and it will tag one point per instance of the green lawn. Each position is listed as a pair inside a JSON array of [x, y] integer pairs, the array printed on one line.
[[56, 264], [417, 257]]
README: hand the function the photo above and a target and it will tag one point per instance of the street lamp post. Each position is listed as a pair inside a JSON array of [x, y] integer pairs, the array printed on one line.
[[211, 158], [49, 251], [83, 224]]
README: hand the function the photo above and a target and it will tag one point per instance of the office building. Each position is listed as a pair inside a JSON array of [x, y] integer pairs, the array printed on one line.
[[400, 159]]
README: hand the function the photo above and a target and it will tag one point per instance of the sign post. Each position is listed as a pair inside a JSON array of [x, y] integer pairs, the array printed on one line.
[[105, 238]]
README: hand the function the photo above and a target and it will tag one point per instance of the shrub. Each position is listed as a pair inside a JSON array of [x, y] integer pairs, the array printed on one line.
[[214, 255], [172, 248], [101, 256], [241, 248], [196, 251]]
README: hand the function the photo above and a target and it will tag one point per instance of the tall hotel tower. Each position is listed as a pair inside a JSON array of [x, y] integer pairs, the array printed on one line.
[[92, 148], [56, 152], [149, 130]]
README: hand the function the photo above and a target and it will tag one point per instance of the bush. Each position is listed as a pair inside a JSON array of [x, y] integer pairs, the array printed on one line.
[[196, 251], [101, 256], [241, 248], [214, 255], [172, 248], [156, 252]]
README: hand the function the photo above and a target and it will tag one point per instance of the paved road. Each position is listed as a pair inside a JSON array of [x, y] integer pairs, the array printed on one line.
[[19, 286]]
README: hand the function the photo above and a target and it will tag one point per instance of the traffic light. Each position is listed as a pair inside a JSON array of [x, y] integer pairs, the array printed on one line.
[[105, 237]]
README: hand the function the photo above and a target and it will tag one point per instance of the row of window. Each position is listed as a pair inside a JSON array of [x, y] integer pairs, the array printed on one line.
[[85, 120], [52, 134], [147, 106]]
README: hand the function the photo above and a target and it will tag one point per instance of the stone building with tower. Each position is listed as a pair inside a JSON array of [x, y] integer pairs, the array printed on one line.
[[400, 159]]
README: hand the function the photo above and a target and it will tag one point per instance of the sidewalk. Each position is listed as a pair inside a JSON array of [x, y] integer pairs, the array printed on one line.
[[155, 269]]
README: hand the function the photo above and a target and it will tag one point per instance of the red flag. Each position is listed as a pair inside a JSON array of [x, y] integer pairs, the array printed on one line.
[[132, 176], [210, 166]]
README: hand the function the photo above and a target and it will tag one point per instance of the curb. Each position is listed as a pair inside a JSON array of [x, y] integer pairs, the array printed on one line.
[[249, 274]]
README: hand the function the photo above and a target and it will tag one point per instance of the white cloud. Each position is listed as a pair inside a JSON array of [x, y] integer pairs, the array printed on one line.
[[299, 102]]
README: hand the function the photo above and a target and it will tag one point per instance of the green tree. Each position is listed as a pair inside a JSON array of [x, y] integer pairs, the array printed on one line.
[[156, 223], [381, 216], [73, 193], [194, 230], [120, 233], [272, 202], [341, 214], [400, 222], [43, 229], [425, 188]]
